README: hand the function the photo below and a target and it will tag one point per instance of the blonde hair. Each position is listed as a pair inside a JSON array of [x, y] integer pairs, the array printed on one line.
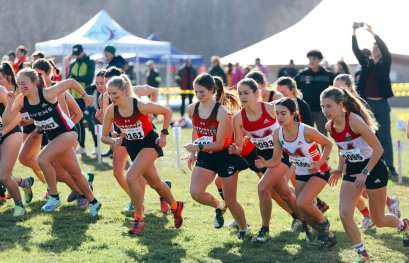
[[122, 82]]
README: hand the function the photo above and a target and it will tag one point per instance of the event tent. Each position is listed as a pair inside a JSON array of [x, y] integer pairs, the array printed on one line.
[[328, 27], [100, 31], [177, 56]]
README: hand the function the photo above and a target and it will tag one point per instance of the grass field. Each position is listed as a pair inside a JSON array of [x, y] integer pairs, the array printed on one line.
[[70, 235]]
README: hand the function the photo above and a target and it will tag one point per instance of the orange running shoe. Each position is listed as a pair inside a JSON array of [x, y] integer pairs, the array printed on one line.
[[177, 214], [137, 226]]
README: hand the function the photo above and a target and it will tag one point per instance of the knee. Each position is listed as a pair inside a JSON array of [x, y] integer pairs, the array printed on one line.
[[43, 161], [346, 215], [263, 190], [196, 194], [24, 159], [303, 205], [119, 174]]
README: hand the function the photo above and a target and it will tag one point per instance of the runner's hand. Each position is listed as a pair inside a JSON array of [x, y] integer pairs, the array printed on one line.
[[260, 162], [191, 161], [333, 179], [360, 180]]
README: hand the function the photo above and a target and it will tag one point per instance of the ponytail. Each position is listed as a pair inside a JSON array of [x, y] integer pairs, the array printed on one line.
[[224, 97], [57, 70], [351, 103]]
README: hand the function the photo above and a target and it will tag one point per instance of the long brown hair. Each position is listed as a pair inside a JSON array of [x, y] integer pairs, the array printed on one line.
[[352, 104]]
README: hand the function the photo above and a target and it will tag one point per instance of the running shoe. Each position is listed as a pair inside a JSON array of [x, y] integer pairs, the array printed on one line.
[[19, 211], [177, 214], [297, 226], [322, 205], [366, 224], [82, 202], [233, 224], [362, 257], [262, 236], [94, 208], [28, 192], [219, 219], [243, 234], [310, 233], [394, 207], [405, 226], [137, 226], [80, 150], [90, 180], [72, 196], [323, 235], [51, 205], [163, 205]]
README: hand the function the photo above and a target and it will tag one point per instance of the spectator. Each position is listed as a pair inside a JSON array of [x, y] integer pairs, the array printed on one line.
[[152, 75], [236, 76], [12, 56], [184, 78], [216, 69], [37, 55], [288, 71], [312, 81], [129, 70], [111, 59], [374, 86], [260, 67], [21, 57], [82, 70], [229, 72], [341, 68]]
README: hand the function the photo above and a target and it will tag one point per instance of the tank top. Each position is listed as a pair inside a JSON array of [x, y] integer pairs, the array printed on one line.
[[301, 152], [352, 146], [206, 129], [136, 126], [48, 116], [261, 130]]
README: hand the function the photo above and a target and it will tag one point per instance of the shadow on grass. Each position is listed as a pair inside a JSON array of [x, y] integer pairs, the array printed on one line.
[[13, 232], [277, 249], [68, 227], [104, 166], [392, 241], [159, 241]]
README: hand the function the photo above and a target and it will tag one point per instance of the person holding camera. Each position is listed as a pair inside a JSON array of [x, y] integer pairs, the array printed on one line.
[[82, 70], [374, 86]]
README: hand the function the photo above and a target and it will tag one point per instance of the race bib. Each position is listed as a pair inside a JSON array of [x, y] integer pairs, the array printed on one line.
[[304, 162], [204, 140], [353, 155], [134, 133], [48, 124], [25, 116], [264, 143]]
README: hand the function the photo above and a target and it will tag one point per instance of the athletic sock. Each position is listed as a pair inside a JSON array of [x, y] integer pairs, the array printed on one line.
[[221, 205], [19, 203], [359, 247], [401, 224], [56, 196], [365, 212], [294, 216], [94, 201], [24, 183], [388, 201], [174, 205], [221, 193], [138, 217]]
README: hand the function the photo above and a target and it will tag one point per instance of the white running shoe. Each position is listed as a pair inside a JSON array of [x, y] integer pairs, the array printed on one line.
[[366, 223], [297, 226], [394, 208], [94, 208], [51, 205], [80, 150]]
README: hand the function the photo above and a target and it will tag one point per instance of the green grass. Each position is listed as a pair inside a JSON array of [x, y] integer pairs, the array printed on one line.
[[70, 235]]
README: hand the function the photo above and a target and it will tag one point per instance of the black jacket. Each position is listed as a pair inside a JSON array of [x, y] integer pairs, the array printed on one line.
[[312, 84], [117, 61], [382, 68], [305, 112]]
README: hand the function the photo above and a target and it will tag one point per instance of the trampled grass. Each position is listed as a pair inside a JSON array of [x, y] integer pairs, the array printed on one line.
[[70, 235]]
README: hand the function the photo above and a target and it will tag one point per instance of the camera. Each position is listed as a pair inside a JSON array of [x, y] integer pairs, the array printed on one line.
[[357, 25]]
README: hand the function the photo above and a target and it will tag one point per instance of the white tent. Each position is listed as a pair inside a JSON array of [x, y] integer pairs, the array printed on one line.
[[328, 27], [100, 31]]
